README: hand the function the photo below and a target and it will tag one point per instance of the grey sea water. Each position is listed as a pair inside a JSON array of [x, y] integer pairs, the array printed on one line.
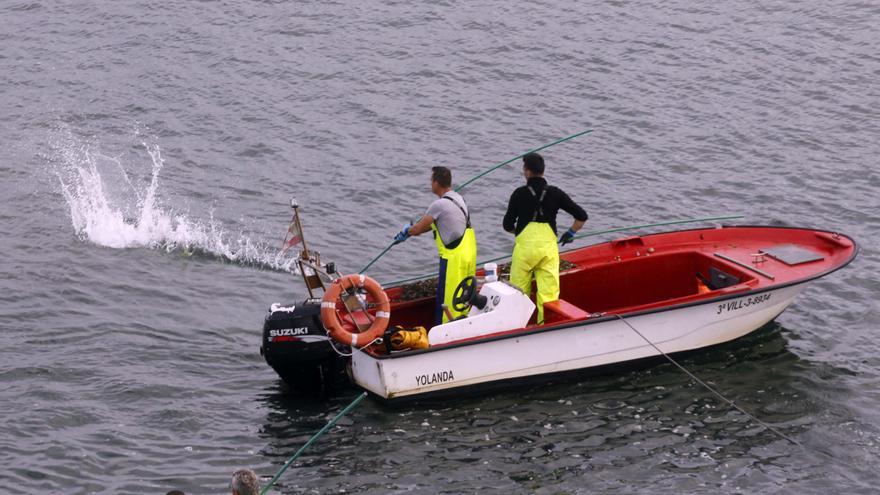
[[149, 150]]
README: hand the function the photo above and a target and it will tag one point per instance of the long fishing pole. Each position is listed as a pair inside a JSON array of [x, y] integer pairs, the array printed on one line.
[[483, 174], [312, 440], [377, 257], [658, 224], [589, 234], [487, 172]]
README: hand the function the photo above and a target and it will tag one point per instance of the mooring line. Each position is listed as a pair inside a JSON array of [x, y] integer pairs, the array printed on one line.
[[312, 440], [709, 388], [814, 450]]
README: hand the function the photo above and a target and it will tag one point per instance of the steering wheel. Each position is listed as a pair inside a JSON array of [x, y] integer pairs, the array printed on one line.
[[464, 294]]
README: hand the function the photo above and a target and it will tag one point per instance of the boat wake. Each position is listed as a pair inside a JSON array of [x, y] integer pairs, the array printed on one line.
[[107, 208]]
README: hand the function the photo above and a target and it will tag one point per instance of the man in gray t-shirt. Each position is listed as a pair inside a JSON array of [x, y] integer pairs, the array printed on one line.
[[449, 218]]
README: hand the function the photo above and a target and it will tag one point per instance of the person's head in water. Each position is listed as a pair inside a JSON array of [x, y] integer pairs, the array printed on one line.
[[441, 180], [175, 492], [533, 165], [245, 482]]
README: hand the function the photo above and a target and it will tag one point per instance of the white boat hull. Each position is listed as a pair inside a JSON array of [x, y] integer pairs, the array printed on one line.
[[588, 344]]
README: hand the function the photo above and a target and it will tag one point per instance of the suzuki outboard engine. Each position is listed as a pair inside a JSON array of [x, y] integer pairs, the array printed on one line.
[[296, 346]]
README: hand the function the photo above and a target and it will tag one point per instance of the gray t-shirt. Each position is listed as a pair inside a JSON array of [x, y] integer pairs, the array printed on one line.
[[448, 217]]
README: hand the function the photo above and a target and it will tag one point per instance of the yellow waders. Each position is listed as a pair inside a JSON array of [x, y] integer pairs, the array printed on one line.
[[455, 264], [536, 254]]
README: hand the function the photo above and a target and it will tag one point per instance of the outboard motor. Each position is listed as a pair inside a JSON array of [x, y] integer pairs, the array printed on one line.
[[296, 346], [295, 343]]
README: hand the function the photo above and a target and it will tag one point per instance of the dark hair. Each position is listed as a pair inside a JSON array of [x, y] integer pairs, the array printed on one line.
[[534, 163], [175, 492], [442, 175]]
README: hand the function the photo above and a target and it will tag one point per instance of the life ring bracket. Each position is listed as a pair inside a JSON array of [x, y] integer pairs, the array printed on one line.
[[344, 295]]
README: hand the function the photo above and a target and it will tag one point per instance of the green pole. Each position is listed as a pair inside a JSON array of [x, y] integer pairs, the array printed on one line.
[[487, 172], [376, 258], [483, 174], [658, 224], [312, 440], [587, 234]]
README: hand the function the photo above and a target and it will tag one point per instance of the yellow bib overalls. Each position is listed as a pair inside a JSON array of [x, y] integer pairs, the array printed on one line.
[[455, 265], [535, 253]]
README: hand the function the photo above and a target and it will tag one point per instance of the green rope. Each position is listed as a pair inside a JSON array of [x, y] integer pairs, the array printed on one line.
[[312, 440], [483, 174], [588, 234]]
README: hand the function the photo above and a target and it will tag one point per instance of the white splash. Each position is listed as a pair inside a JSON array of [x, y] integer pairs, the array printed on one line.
[[108, 209]]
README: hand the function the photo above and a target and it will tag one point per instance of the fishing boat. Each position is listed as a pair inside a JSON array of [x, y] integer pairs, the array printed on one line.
[[621, 301]]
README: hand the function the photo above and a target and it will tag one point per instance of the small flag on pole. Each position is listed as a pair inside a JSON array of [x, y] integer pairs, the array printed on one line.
[[293, 236]]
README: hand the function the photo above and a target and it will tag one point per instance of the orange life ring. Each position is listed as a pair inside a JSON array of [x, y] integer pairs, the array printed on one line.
[[332, 306]]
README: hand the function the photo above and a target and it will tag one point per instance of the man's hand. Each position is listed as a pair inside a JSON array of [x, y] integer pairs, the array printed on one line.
[[567, 237], [403, 234]]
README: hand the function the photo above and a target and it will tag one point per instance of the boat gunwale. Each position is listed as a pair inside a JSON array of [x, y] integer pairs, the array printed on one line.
[[523, 332]]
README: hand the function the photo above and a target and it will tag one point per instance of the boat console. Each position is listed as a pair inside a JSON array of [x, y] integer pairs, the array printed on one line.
[[506, 309]]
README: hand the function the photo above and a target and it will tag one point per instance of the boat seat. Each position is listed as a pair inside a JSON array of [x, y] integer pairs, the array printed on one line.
[[561, 309]]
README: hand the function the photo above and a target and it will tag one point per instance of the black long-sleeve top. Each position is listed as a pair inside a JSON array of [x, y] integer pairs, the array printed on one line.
[[522, 206]]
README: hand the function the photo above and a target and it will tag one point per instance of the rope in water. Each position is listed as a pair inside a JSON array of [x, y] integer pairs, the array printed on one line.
[[588, 234], [740, 409], [709, 388], [312, 440], [362, 396], [483, 174]]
